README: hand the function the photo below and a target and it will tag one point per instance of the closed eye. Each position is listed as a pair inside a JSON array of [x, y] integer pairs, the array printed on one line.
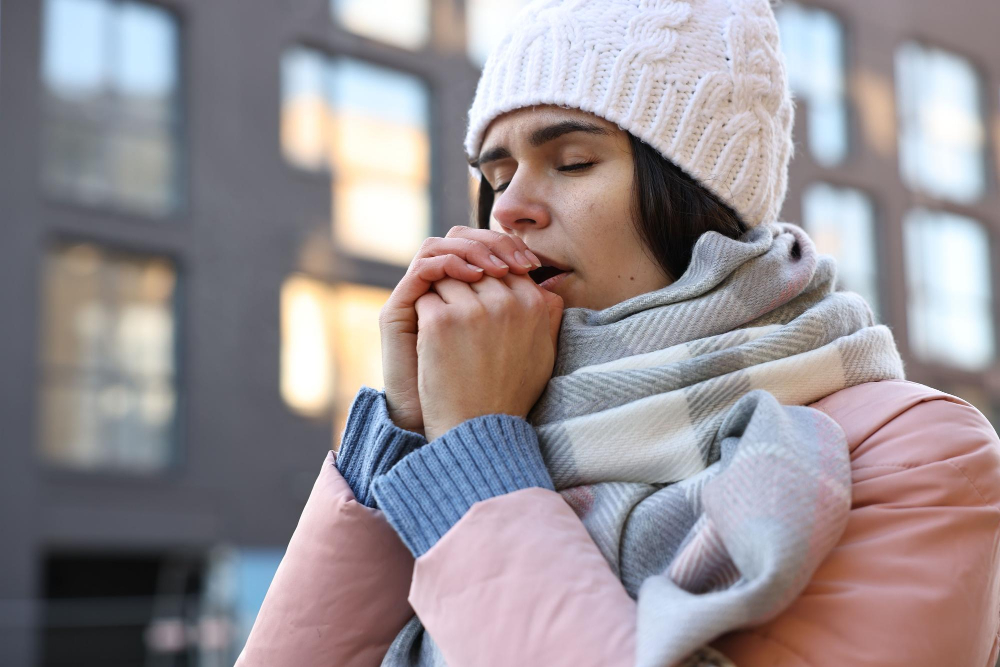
[[569, 167]]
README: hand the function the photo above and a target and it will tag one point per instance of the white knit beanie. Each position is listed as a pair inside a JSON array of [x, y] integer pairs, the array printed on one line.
[[701, 81]]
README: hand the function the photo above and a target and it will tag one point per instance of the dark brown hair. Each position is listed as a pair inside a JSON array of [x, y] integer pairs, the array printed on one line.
[[670, 210]]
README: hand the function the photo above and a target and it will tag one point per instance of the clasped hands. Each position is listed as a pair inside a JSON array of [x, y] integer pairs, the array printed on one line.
[[464, 337]]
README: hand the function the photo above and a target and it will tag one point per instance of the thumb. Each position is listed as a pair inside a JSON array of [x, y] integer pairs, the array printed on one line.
[[555, 304]]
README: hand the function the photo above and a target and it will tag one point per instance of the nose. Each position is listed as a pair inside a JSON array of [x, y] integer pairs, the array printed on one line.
[[520, 206]]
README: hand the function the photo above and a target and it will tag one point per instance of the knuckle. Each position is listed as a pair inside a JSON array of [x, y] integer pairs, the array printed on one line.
[[537, 305], [489, 237], [504, 303], [532, 302], [476, 311], [456, 230], [509, 315], [510, 242], [499, 237]]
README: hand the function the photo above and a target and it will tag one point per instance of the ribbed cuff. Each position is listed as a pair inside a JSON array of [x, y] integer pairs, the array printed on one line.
[[428, 491], [372, 443]]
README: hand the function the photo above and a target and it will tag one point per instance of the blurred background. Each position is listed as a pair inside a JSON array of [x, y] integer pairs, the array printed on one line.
[[205, 203]]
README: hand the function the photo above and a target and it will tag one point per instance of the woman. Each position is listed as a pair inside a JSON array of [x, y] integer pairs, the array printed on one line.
[[628, 420]]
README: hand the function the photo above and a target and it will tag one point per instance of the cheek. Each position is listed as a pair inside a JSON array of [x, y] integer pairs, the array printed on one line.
[[607, 219], [598, 244]]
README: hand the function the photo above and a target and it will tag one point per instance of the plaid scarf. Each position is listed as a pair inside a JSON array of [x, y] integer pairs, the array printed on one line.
[[675, 426]]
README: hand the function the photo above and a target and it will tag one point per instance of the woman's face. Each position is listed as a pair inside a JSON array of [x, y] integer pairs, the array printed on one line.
[[577, 217]]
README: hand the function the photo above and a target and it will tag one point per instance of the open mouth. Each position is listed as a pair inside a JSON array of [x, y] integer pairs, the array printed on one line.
[[543, 273]]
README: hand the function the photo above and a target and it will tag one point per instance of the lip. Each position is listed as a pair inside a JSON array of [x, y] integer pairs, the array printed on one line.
[[546, 261], [554, 281]]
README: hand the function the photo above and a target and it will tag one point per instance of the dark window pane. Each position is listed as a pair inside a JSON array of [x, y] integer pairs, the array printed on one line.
[[141, 161], [74, 152]]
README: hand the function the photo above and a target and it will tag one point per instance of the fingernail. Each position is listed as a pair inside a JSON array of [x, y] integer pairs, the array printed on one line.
[[521, 259], [532, 257], [474, 267], [499, 262]]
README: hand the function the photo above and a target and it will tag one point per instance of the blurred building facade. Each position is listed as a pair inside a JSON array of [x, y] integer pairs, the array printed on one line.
[[203, 206]]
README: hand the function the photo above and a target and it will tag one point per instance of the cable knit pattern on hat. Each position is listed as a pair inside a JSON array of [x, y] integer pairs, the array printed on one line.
[[701, 81]]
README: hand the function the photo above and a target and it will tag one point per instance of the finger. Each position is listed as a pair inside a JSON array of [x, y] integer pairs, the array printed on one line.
[[427, 305], [453, 291], [523, 286], [506, 246], [526, 288], [473, 251], [424, 272], [555, 304]]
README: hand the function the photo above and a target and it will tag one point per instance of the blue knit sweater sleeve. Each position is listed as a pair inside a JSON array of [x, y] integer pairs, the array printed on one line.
[[371, 443], [430, 489]]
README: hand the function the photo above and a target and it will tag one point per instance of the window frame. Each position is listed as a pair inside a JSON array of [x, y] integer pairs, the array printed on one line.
[[940, 365], [178, 128], [173, 469], [327, 172], [988, 168]]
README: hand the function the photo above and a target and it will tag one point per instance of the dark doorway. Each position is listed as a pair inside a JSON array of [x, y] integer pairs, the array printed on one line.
[[120, 609]]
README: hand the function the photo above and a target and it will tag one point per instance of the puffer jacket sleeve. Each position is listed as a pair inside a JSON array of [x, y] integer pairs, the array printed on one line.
[[339, 594], [519, 581], [913, 582]]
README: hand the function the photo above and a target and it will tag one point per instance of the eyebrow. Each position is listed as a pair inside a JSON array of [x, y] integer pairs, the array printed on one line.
[[541, 136]]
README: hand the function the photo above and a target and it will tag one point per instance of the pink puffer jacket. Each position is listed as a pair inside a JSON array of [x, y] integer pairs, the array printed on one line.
[[914, 580]]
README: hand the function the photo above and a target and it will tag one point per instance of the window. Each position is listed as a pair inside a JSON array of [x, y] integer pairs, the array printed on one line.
[[842, 223], [307, 326], [949, 296], [330, 345], [359, 345], [110, 104], [369, 126], [813, 42], [108, 390], [487, 22], [405, 24], [942, 135]]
